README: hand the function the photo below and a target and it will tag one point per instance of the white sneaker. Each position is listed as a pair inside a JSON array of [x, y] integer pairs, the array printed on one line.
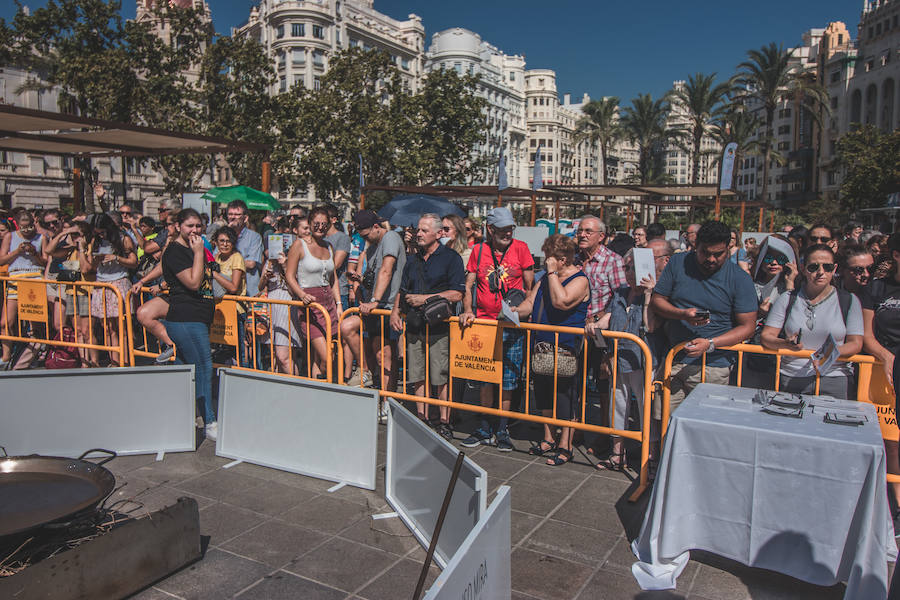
[[367, 381], [212, 431], [165, 355], [383, 412]]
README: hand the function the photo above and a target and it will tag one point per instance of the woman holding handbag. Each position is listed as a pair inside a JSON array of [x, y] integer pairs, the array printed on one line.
[[561, 298]]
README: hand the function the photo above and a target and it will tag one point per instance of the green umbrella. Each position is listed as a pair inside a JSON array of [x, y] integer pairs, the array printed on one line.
[[254, 199]]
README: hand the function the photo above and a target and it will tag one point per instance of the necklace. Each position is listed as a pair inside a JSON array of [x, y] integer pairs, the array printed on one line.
[[810, 310]]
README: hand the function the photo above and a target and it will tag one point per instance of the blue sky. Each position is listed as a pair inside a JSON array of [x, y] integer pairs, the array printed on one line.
[[605, 47]]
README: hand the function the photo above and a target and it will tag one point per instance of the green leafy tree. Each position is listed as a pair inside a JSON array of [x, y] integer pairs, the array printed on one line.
[[363, 109], [233, 95], [770, 77], [871, 163], [600, 125], [644, 124], [702, 99]]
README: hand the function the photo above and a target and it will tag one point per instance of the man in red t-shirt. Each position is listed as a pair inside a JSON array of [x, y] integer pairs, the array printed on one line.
[[496, 266]]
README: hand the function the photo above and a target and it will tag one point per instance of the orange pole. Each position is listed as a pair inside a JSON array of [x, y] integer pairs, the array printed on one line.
[[718, 207], [533, 209], [266, 176], [499, 199], [761, 211], [362, 201], [556, 216]]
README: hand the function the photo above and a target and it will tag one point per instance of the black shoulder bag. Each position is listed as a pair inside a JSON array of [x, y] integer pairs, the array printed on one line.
[[513, 297], [435, 311]]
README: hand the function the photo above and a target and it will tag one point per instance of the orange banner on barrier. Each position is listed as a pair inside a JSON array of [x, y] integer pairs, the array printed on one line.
[[476, 352], [32, 301], [224, 328]]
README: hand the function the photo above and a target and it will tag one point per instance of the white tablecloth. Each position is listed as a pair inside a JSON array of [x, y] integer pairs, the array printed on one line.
[[799, 496]]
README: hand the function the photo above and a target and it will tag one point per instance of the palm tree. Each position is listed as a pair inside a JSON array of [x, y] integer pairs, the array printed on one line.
[[701, 99], [770, 77], [644, 124], [600, 125]]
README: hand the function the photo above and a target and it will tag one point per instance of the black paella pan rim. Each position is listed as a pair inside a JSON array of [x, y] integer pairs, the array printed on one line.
[[36, 490]]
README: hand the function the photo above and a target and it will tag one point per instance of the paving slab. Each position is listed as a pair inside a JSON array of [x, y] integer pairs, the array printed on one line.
[[343, 564], [285, 586], [218, 574], [275, 543]]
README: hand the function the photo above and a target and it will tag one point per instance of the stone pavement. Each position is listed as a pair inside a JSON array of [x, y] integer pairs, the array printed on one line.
[[272, 535]]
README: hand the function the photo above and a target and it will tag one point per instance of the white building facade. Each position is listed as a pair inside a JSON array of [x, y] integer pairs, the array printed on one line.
[[501, 84], [300, 36]]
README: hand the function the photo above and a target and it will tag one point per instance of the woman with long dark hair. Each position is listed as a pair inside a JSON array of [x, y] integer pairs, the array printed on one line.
[[191, 308], [112, 254]]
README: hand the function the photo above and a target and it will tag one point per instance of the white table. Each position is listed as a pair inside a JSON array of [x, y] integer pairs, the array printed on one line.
[[798, 496]]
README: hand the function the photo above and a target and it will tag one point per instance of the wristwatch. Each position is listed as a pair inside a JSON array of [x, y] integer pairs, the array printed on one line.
[[712, 345]]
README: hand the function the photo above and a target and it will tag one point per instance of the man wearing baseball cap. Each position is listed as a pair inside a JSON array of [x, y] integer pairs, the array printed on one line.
[[500, 268], [385, 257]]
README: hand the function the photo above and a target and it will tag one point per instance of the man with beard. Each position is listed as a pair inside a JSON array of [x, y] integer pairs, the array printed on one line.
[[709, 302]]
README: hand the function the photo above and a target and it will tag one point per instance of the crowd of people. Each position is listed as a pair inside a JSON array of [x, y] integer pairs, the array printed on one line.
[[794, 290]]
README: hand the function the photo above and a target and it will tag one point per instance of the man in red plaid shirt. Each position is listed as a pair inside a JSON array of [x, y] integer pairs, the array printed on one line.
[[604, 268]]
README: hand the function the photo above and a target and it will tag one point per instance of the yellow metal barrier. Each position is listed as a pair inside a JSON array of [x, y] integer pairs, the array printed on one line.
[[257, 339], [33, 305], [864, 389], [642, 436]]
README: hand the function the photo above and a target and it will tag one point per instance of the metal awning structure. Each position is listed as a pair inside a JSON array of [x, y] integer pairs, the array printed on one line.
[[52, 133], [461, 191], [704, 189]]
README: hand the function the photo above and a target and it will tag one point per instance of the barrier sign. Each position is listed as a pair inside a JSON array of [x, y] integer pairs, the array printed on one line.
[[480, 569], [476, 352], [32, 301], [224, 326], [880, 393]]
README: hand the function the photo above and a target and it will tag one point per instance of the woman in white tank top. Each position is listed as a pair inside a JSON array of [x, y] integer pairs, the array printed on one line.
[[21, 250], [310, 276]]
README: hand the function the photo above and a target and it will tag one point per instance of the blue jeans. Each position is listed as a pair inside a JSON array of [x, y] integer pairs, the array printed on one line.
[[192, 345], [242, 358]]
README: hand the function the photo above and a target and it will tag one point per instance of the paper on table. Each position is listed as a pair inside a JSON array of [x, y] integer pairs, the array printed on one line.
[[644, 265]]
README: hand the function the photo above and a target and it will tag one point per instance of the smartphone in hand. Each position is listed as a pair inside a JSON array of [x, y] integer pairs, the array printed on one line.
[[701, 314]]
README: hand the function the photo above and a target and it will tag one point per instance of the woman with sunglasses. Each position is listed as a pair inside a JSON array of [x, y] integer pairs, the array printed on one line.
[[774, 272], [803, 320], [21, 251], [453, 234], [310, 275]]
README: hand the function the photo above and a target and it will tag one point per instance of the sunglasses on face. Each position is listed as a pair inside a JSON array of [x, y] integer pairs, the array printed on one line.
[[814, 267], [320, 225], [860, 270], [445, 228], [821, 239], [468, 229], [769, 259], [51, 223]]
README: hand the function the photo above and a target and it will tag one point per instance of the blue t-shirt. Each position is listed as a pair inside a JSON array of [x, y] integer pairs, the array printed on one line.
[[739, 256], [726, 292]]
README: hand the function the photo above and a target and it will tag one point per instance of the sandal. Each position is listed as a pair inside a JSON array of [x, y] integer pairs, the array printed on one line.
[[539, 449], [615, 462], [562, 457]]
